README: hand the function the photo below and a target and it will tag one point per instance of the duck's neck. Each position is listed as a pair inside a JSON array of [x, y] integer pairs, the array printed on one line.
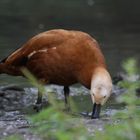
[[101, 77]]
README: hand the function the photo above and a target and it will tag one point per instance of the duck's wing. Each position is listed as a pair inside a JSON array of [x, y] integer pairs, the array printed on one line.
[[41, 41]]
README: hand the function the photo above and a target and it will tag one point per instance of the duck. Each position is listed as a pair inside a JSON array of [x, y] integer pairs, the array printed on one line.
[[63, 57]]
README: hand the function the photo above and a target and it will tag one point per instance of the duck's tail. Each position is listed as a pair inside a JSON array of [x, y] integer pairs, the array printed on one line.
[[9, 69]]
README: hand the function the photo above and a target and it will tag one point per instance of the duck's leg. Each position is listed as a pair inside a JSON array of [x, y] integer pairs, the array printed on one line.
[[67, 101], [38, 104]]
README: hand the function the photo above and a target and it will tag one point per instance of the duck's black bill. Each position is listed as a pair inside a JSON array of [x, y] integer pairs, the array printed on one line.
[[96, 111]]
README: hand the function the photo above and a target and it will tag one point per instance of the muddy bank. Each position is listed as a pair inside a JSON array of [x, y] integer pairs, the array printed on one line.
[[16, 103]]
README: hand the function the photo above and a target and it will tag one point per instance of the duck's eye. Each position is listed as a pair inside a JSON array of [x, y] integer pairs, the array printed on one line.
[[105, 96], [93, 94]]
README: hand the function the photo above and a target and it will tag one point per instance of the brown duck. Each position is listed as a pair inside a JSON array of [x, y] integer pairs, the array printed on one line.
[[63, 57]]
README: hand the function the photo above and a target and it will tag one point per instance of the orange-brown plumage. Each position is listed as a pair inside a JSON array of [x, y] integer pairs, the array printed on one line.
[[70, 57], [57, 56]]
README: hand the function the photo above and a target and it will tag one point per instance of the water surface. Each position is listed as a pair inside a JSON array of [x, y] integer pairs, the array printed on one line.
[[117, 30]]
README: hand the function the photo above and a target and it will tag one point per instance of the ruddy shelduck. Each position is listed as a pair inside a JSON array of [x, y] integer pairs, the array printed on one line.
[[63, 57]]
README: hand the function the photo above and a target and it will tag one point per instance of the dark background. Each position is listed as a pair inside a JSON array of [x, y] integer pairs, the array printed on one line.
[[114, 23]]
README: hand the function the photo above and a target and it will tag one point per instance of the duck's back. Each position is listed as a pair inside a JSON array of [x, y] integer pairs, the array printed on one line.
[[59, 56]]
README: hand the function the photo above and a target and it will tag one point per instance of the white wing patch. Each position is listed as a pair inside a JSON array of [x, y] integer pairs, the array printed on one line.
[[43, 50], [31, 54], [34, 52]]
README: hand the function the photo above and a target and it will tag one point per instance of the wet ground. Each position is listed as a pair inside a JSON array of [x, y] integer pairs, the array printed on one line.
[[16, 103]]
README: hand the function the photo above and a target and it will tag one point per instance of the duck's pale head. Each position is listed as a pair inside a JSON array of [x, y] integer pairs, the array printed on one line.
[[101, 89]]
